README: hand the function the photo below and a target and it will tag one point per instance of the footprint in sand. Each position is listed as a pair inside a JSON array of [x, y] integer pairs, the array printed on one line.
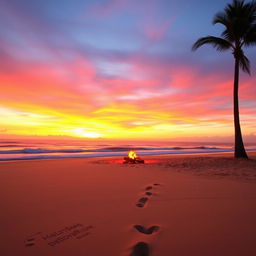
[[146, 231], [142, 202], [140, 249], [29, 242], [151, 187], [148, 193]]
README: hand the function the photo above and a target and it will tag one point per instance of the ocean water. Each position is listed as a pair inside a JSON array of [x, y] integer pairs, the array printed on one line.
[[25, 150]]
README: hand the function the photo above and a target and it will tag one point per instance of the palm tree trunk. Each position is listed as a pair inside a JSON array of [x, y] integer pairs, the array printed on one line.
[[239, 145]]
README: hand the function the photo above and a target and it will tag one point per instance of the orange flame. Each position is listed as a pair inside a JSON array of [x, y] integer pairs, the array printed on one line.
[[132, 155]]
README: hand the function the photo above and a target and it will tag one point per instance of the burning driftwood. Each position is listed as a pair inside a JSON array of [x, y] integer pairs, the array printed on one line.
[[132, 158]]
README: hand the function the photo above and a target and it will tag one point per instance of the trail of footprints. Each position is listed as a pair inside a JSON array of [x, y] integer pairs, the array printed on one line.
[[143, 200], [142, 248]]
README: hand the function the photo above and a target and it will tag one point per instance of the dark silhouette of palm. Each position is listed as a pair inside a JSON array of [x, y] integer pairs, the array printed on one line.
[[239, 20]]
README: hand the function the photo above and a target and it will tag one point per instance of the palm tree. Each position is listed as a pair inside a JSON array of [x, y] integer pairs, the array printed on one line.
[[239, 20]]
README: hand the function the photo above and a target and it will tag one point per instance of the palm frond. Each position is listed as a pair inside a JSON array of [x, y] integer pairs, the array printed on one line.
[[228, 35], [234, 9], [250, 36], [221, 18], [249, 11], [244, 63], [219, 43]]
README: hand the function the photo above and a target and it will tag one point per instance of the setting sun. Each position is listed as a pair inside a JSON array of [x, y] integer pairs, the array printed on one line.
[[83, 133]]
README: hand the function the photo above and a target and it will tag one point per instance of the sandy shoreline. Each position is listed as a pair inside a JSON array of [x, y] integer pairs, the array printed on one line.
[[102, 207]]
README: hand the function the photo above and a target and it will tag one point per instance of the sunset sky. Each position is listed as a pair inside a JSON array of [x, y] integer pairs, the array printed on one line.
[[118, 69]]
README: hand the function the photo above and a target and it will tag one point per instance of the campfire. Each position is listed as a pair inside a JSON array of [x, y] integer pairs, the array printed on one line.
[[132, 158]]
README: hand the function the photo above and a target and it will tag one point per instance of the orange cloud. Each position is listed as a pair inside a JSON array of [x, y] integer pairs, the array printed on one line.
[[72, 99]]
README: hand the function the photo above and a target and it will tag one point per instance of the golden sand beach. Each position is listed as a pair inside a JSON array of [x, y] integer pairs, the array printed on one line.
[[171, 205]]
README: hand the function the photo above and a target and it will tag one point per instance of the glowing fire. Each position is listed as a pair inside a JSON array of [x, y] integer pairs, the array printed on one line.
[[132, 158], [132, 155]]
